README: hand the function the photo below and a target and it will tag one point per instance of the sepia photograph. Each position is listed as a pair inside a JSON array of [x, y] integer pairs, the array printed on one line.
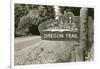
[[45, 34]]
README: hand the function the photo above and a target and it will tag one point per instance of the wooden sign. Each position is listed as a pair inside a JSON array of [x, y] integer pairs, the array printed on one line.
[[67, 27]]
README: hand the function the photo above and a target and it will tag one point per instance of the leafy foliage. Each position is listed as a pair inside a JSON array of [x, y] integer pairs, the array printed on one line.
[[28, 17]]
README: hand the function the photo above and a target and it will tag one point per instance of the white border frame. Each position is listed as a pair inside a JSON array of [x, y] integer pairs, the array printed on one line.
[[71, 3]]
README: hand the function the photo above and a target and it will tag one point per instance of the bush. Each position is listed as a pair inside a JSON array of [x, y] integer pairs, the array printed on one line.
[[29, 24]]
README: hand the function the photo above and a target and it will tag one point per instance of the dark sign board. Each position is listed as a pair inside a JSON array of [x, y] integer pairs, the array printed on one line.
[[65, 28]]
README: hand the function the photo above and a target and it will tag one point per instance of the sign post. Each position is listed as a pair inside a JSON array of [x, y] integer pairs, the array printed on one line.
[[70, 28]]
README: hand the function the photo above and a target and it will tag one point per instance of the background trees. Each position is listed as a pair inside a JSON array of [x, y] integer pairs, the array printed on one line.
[[28, 17]]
